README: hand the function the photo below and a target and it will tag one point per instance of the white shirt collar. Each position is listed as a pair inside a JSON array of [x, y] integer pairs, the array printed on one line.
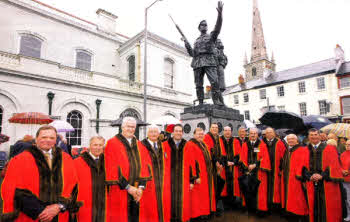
[[47, 152], [129, 140], [93, 156], [313, 145], [152, 143], [177, 141]]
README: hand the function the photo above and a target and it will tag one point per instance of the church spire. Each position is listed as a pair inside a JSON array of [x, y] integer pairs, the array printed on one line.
[[258, 41], [245, 61]]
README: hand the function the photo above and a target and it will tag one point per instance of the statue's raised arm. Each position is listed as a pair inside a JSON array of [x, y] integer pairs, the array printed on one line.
[[215, 33]]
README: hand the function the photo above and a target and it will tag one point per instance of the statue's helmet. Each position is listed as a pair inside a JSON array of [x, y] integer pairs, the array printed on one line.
[[203, 22]]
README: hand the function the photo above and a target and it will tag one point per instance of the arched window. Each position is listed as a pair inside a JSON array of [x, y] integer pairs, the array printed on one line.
[[1, 115], [83, 60], [131, 68], [30, 46], [253, 71], [75, 118], [168, 73]]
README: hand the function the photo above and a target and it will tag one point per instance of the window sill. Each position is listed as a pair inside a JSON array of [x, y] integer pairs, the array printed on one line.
[[320, 90]]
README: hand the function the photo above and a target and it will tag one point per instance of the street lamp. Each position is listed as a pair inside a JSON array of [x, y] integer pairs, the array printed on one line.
[[145, 68]]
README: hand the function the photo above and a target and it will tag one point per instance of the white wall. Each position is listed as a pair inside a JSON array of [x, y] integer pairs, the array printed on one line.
[[291, 99]]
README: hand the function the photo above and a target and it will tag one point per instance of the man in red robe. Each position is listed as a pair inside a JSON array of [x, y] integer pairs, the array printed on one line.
[[128, 170], [203, 201], [155, 152], [231, 168], [211, 139], [276, 151], [255, 162], [237, 147], [40, 183], [323, 174], [219, 158], [242, 136], [177, 177], [293, 199], [91, 185]]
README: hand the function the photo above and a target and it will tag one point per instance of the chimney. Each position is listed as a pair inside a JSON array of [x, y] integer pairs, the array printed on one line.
[[106, 21]]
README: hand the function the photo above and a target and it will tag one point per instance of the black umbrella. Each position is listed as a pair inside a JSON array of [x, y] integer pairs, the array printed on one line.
[[283, 120], [119, 121], [316, 121], [249, 185]]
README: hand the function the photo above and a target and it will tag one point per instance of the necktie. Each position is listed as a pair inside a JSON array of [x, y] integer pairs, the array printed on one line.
[[315, 147], [155, 146], [96, 160], [48, 160]]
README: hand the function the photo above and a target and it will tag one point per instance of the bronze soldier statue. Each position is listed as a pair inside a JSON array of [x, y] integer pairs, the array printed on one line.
[[204, 60], [222, 62]]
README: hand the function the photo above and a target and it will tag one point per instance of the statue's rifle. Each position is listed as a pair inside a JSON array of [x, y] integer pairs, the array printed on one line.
[[179, 29]]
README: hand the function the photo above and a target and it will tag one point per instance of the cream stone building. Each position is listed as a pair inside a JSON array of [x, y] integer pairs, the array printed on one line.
[[86, 73]]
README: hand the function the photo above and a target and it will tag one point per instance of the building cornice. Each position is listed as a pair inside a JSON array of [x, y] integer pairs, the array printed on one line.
[[140, 37], [87, 86], [87, 26]]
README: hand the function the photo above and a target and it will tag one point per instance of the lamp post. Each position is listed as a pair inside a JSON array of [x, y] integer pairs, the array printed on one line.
[[145, 68]]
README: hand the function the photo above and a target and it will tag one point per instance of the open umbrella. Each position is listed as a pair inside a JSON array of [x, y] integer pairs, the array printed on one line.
[[339, 129], [30, 118], [119, 121], [62, 126], [3, 138], [315, 121], [283, 120], [166, 120]]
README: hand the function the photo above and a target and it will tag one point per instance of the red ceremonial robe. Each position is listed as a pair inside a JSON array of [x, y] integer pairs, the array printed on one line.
[[157, 159], [91, 188], [128, 164], [177, 177], [203, 194], [276, 149], [30, 185], [218, 154], [324, 197], [293, 198], [258, 155], [209, 140], [226, 152], [236, 148], [345, 163]]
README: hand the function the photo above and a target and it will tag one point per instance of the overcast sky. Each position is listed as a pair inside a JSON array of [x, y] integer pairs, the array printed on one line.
[[297, 31]]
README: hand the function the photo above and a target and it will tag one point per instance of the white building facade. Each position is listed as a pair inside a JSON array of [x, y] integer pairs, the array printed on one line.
[[307, 90], [45, 52]]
